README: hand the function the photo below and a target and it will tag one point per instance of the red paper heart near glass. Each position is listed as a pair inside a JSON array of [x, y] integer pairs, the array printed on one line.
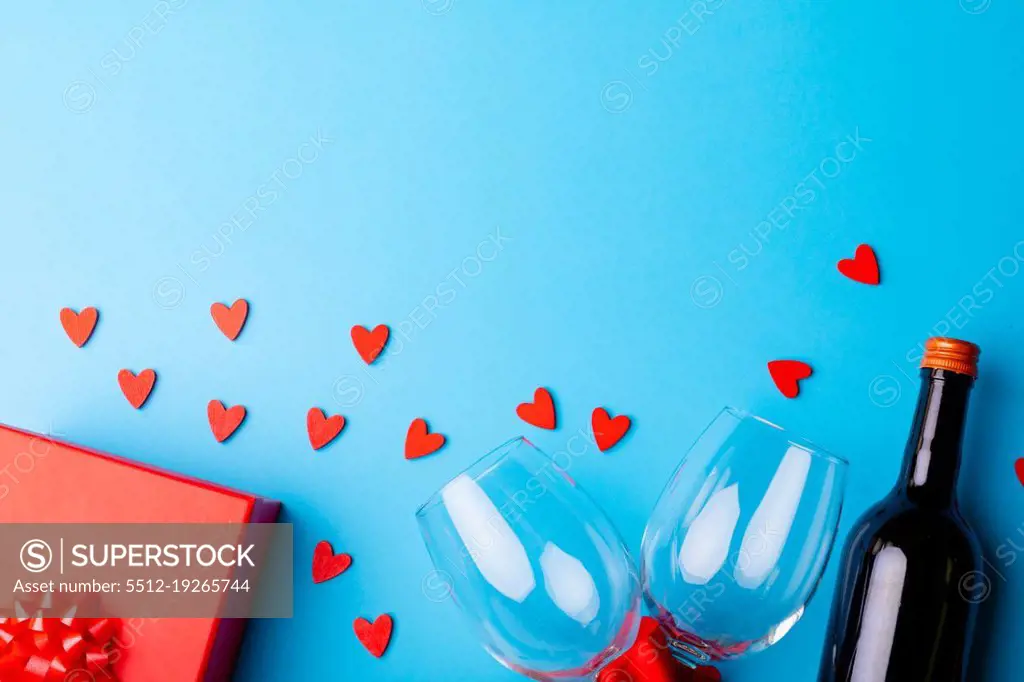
[[419, 442], [539, 413], [374, 636], [607, 431], [787, 375]]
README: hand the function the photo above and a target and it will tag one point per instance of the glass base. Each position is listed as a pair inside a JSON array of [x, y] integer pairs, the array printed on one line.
[[685, 647], [689, 654]]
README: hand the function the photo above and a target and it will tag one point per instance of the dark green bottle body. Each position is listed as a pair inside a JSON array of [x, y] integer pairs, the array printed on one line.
[[911, 574]]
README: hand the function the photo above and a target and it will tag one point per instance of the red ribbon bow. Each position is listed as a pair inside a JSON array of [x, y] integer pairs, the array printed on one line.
[[36, 649]]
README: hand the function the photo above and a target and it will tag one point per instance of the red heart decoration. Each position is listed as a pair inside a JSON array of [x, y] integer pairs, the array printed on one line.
[[787, 373], [650, 660], [370, 344], [539, 413], [1019, 468], [230, 320], [224, 421], [79, 326], [608, 431], [419, 442], [136, 388], [863, 267], [327, 564], [374, 636], [322, 429]]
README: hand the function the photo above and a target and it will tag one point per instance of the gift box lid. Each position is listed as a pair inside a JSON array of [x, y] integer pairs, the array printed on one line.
[[43, 480]]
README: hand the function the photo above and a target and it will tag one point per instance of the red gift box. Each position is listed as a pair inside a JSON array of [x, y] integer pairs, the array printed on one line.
[[46, 481]]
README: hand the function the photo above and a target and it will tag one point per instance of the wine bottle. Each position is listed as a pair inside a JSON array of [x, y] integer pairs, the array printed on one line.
[[900, 612]]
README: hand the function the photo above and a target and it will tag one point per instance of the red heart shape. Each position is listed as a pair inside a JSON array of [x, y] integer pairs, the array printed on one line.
[[787, 373], [1019, 468], [608, 431], [650, 660], [79, 326], [327, 564], [136, 388], [863, 267], [224, 421], [419, 442], [376, 636], [322, 429], [539, 413], [370, 344], [230, 320]]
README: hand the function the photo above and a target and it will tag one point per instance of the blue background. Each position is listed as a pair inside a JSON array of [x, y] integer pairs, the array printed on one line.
[[628, 155]]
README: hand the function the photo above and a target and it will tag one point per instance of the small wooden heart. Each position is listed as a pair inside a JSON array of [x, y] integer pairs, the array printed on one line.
[[321, 428], [608, 431], [787, 375], [374, 636], [539, 413], [136, 387], [224, 421], [230, 320], [79, 326], [328, 565], [419, 442]]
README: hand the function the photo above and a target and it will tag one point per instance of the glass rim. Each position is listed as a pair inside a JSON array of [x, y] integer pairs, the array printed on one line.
[[478, 468], [810, 446]]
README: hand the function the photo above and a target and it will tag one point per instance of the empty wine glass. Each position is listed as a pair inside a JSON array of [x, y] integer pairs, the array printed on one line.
[[739, 538], [535, 565]]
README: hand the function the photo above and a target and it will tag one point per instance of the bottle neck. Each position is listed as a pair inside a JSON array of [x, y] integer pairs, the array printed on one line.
[[931, 462]]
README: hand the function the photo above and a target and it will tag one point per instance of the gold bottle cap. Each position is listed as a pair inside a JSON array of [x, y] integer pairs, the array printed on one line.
[[951, 354]]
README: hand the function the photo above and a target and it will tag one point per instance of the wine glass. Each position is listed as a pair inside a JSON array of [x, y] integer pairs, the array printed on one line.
[[535, 565], [739, 538]]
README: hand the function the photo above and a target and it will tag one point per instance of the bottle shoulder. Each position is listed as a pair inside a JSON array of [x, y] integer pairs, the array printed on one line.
[[901, 523]]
